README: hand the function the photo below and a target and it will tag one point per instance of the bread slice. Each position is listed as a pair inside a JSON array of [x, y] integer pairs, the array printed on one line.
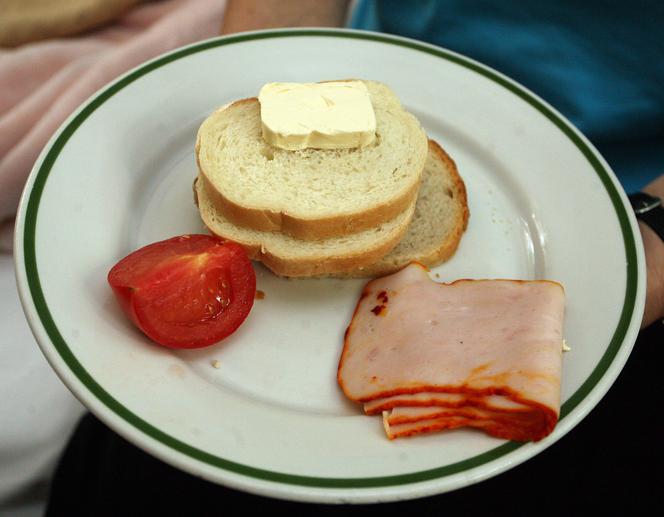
[[311, 194], [441, 217], [288, 256]]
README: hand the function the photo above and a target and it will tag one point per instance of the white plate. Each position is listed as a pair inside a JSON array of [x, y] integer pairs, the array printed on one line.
[[271, 420]]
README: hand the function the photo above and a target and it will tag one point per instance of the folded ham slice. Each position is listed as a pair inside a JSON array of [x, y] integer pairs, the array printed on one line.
[[474, 353]]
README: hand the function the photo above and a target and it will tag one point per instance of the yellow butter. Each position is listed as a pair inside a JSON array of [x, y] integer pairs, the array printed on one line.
[[330, 115]]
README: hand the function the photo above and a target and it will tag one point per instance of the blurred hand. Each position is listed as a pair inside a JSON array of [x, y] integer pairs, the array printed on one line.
[[246, 15], [654, 248]]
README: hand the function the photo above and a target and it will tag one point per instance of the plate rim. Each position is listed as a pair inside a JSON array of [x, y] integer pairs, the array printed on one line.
[[57, 352]]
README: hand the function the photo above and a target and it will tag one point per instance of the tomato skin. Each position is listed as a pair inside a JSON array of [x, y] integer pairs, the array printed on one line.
[[189, 291]]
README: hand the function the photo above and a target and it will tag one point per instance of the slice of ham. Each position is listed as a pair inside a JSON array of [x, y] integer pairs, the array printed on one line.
[[446, 400], [476, 353]]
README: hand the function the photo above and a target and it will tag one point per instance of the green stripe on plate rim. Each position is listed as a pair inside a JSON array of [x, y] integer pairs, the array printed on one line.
[[323, 482]]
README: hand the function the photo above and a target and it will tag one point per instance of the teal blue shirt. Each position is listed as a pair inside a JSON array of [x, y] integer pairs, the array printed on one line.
[[599, 62]]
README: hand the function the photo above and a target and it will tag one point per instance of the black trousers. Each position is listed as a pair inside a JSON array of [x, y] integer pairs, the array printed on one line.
[[612, 463]]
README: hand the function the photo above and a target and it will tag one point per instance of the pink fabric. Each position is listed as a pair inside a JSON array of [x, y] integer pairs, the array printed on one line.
[[42, 83]]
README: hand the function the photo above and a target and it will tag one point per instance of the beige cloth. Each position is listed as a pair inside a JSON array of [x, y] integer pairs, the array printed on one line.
[[42, 83], [23, 21]]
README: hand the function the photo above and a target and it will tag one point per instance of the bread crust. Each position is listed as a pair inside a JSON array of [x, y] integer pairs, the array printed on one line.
[[306, 228], [450, 245], [317, 266]]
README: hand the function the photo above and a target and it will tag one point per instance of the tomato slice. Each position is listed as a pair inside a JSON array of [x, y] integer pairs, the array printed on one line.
[[186, 292]]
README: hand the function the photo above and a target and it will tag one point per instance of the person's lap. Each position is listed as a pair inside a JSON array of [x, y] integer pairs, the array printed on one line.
[[605, 462]]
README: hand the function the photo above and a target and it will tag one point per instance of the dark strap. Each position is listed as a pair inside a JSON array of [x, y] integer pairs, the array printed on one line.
[[655, 219]]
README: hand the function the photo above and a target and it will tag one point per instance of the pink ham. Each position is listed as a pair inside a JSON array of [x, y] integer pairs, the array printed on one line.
[[477, 353]]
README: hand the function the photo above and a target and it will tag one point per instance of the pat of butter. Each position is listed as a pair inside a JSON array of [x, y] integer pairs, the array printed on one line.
[[331, 115]]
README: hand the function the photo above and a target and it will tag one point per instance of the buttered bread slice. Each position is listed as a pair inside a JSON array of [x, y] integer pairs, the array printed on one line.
[[311, 194]]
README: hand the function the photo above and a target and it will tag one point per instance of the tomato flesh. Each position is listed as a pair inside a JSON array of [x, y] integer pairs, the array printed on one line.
[[186, 292]]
